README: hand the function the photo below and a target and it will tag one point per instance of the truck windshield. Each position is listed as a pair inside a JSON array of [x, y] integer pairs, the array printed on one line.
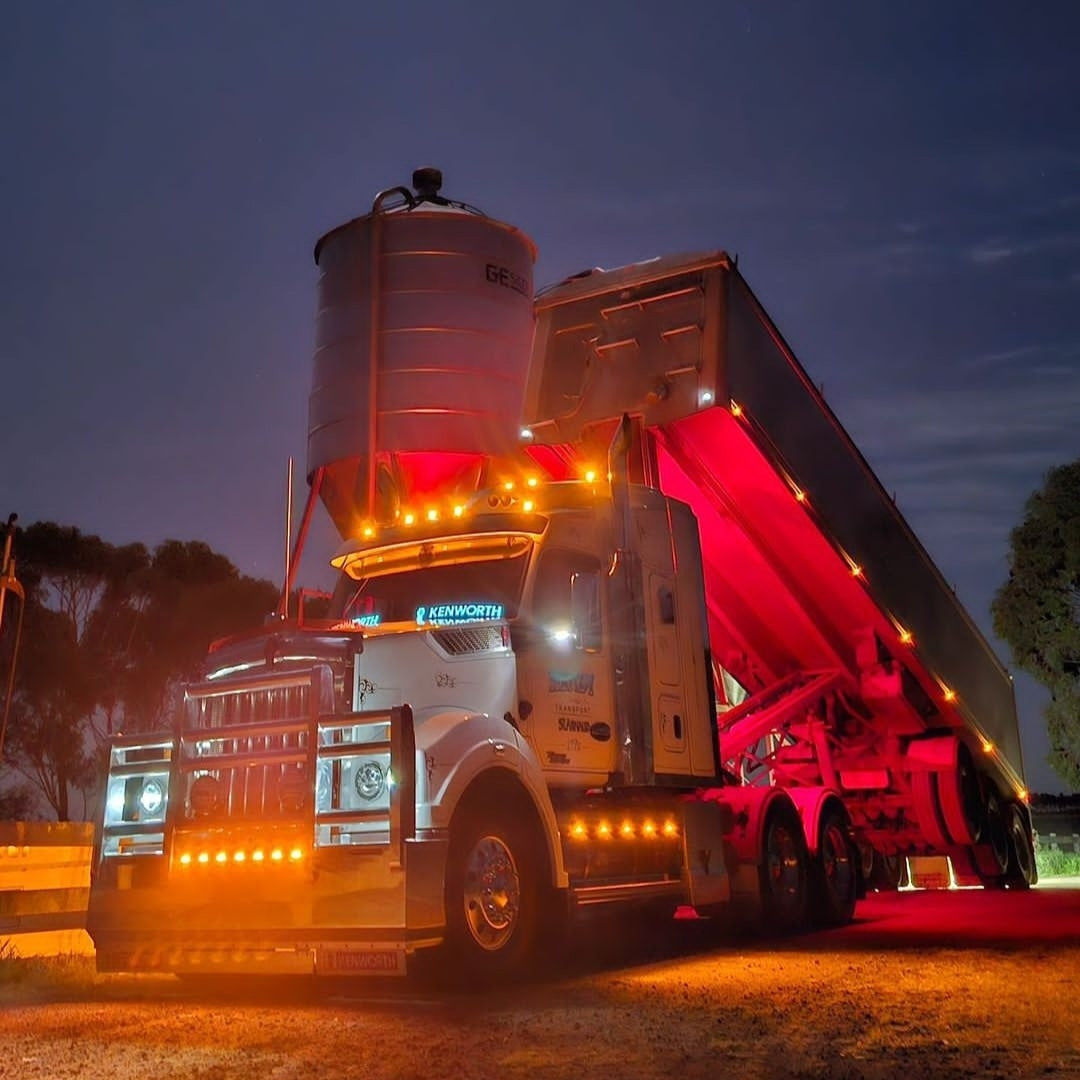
[[435, 595]]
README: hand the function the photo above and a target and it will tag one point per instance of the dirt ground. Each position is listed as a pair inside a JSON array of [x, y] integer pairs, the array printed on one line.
[[959, 984]]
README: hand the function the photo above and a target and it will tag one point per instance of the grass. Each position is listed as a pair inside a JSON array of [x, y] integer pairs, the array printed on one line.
[[1055, 863], [61, 972]]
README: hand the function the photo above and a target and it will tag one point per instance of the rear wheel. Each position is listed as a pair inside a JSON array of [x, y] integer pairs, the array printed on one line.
[[992, 857], [887, 872], [1021, 872], [493, 894], [783, 876], [834, 876]]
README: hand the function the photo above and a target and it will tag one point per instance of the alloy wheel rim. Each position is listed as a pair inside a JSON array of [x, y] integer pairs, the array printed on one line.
[[492, 893]]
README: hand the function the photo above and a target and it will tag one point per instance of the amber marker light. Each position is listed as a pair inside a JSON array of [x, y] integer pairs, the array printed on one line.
[[648, 830], [508, 485], [578, 830], [1022, 794], [368, 532], [239, 856], [670, 829], [204, 857], [532, 481], [221, 857], [409, 518], [590, 476], [988, 746], [296, 854], [626, 829], [736, 408], [950, 694], [459, 511], [185, 859], [433, 515], [257, 855], [277, 855], [603, 830], [527, 506], [906, 637]]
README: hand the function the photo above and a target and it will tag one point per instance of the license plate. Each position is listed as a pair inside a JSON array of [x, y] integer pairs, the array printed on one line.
[[338, 961]]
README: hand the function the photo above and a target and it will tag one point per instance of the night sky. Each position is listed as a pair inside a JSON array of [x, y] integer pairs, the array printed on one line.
[[901, 183]]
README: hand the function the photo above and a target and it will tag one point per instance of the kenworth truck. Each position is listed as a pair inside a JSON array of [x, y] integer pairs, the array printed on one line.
[[624, 619]]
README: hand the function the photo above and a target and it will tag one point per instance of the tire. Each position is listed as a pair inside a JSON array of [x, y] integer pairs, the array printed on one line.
[[888, 872], [494, 891], [783, 873], [992, 857], [1021, 872], [834, 875]]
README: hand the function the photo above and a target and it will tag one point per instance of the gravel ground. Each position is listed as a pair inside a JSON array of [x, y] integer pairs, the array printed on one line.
[[952, 985]]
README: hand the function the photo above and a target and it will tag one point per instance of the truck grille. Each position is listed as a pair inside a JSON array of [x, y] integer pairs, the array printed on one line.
[[474, 639], [246, 747]]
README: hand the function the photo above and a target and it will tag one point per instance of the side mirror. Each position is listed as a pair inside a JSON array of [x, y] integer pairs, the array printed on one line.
[[585, 616]]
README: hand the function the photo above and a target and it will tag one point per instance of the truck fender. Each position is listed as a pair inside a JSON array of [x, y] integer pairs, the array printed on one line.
[[750, 807], [811, 802], [459, 747]]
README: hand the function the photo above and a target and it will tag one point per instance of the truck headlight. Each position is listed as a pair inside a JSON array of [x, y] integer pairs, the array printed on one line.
[[370, 781], [152, 797]]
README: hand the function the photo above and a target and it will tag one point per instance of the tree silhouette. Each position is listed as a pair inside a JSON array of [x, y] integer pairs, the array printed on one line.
[[1037, 611], [110, 633]]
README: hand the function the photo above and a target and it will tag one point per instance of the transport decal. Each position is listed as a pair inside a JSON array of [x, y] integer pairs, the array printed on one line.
[[560, 683]]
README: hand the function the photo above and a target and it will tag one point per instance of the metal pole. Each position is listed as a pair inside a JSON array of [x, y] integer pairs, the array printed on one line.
[[288, 528], [301, 536]]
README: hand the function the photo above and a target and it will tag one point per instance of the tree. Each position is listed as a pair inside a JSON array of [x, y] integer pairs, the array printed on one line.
[[1037, 611], [109, 634]]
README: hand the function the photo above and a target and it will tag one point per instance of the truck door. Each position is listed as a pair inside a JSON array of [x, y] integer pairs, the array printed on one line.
[[564, 671]]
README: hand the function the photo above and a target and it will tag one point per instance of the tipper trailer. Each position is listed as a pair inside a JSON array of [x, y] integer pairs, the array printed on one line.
[[623, 619]]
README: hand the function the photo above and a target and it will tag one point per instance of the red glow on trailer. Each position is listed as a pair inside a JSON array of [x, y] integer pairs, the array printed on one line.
[[558, 462]]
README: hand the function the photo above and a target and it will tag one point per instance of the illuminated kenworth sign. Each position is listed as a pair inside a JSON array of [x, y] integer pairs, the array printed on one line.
[[449, 614]]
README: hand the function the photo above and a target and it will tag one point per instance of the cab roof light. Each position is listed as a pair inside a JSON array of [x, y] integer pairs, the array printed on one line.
[[532, 482], [408, 518], [528, 505], [433, 514], [590, 476], [459, 511]]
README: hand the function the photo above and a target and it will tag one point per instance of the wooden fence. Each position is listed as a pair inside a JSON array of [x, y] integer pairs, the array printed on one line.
[[44, 888]]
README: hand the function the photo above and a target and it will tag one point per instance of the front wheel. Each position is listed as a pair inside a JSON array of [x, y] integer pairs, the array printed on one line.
[[493, 890]]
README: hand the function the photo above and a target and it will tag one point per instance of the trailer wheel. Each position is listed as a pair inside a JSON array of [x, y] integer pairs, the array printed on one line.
[[834, 877], [997, 836], [888, 873], [1021, 872], [783, 874], [493, 892]]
